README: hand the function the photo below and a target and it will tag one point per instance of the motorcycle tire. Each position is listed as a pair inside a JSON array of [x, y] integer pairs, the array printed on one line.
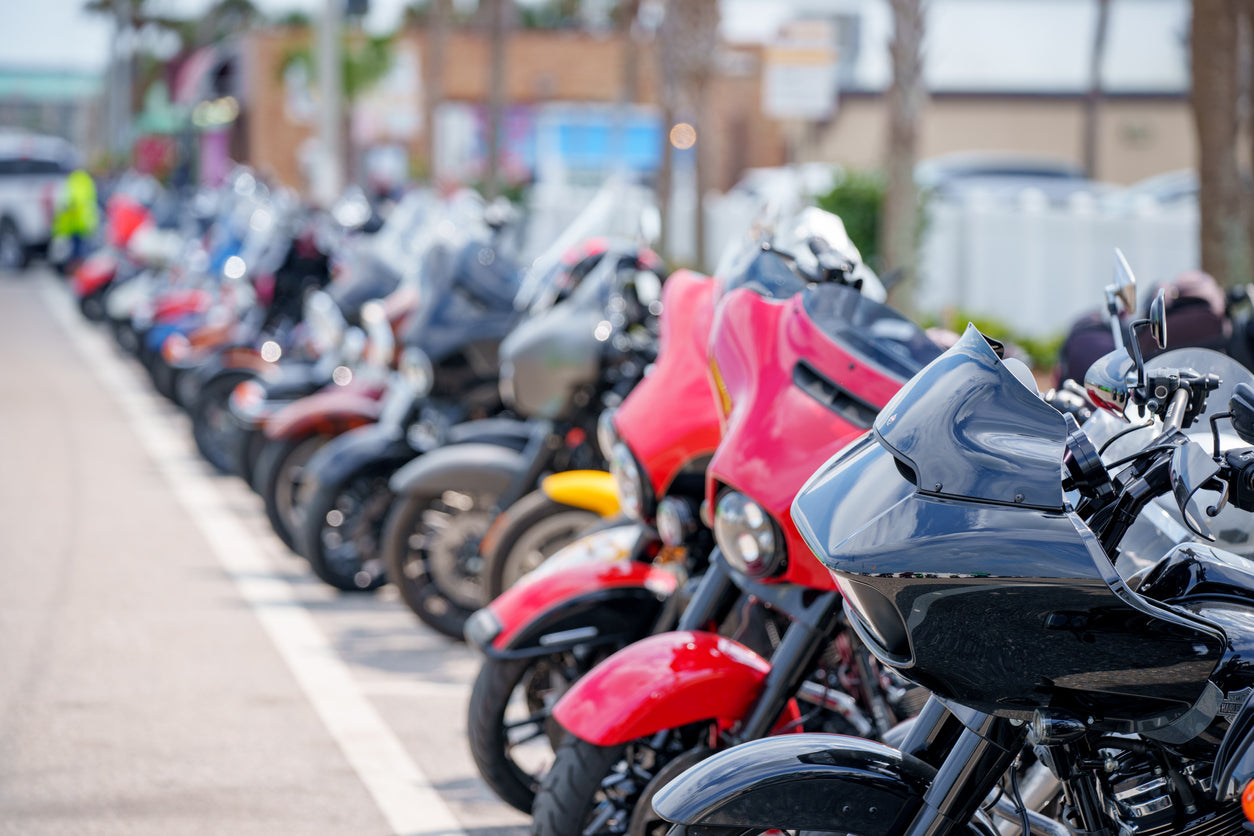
[[431, 550], [531, 686], [247, 450], [92, 306], [213, 428], [278, 475], [341, 529], [535, 527]]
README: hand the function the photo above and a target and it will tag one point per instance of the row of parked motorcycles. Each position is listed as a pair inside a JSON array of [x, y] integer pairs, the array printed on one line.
[[741, 553]]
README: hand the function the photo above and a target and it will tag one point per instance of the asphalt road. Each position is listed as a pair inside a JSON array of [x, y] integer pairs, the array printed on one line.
[[166, 666]]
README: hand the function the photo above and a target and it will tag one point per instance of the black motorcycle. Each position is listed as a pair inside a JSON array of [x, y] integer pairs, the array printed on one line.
[[977, 536]]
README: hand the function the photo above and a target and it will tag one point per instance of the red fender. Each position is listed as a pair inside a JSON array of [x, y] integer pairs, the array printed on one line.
[[332, 411], [246, 358], [180, 303], [663, 682], [533, 597], [95, 271]]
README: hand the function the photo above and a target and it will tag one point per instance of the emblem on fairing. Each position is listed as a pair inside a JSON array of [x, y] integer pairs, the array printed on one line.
[[1232, 702]]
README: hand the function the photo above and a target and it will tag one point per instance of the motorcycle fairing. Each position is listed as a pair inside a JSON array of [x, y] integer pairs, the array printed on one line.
[[664, 438], [969, 429], [1003, 607], [664, 681], [592, 490], [822, 782]]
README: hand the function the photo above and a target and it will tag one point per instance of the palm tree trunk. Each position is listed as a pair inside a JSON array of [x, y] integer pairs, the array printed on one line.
[[433, 94], [496, 96], [1213, 43], [906, 96], [1091, 101]]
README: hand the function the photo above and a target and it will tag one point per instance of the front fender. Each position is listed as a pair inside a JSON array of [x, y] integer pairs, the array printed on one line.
[[592, 490], [663, 682], [509, 432], [328, 412], [826, 782], [585, 603], [372, 445], [478, 467]]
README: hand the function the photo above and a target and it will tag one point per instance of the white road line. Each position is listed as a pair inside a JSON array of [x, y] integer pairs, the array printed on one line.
[[402, 792]]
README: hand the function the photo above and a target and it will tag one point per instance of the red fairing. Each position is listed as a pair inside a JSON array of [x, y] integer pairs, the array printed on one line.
[[776, 434], [670, 417], [518, 607], [95, 271], [663, 682], [332, 411], [123, 216]]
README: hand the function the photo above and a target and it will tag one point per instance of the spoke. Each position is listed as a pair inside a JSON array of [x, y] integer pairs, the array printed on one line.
[[538, 733], [538, 717]]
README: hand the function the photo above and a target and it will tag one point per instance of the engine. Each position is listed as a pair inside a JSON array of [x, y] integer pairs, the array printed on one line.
[[1148, 798]]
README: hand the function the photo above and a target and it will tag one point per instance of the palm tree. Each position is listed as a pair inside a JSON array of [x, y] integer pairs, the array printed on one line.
[[906, 96], [1214, 64]]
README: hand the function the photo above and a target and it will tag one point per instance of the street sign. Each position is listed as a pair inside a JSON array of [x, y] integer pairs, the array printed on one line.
[[799, 72]]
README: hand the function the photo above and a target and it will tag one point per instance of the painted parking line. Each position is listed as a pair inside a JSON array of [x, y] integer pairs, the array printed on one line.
[[403, 793]]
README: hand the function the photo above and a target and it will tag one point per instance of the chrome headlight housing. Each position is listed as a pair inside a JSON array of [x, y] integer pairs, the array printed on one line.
[[607, 436], [415, 368], [747, 535], [635, 494]]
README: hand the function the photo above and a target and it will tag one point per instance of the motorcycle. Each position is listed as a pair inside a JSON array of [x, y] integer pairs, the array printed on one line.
[[585, 344], [615, 585], [446, 373], [983, 560], [800, 359]]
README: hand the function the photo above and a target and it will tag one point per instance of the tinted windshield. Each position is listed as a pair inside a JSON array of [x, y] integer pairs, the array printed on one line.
[[969, 428], [873, 331]]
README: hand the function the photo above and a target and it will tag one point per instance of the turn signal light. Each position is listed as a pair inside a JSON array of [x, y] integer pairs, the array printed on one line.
[[1247, 801]]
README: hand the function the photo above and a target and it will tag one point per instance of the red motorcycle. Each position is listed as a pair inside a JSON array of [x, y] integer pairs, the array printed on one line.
[[618, 584], [799, 371]]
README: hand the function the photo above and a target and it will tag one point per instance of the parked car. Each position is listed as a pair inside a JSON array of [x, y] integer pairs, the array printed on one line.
[[33, 169]]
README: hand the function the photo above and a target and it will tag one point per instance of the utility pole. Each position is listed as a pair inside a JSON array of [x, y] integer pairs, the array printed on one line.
[[120, 110], [328, 174]]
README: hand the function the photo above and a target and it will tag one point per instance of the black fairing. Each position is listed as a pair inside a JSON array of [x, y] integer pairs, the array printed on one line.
[[804, 781], [968, 428], [1001, 607]]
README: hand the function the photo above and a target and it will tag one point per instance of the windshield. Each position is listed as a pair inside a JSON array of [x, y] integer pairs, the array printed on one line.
[[873, 331], [969, 428], [619, 210]]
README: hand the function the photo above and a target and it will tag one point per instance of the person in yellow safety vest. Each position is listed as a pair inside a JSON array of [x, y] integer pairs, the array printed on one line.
[[77, 215]]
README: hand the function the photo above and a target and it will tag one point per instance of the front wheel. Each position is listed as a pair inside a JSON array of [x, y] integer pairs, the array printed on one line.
[[280, 472], [342, 528], [533, 529], [608, 790], [431, 549], [510, 721], [213, 426]]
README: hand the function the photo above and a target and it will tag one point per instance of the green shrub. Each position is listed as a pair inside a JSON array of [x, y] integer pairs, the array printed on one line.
[[858, 198]]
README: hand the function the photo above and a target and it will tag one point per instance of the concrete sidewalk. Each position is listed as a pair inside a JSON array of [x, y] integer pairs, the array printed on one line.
[[139, 692]]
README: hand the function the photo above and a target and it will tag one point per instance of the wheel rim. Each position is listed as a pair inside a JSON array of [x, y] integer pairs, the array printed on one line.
[[617, 802], [351, 531], [530, 732], [442, 547], [290, 479], [541, 541]]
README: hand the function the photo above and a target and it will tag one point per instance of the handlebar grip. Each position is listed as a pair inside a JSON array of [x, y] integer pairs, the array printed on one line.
[[1241, 477]]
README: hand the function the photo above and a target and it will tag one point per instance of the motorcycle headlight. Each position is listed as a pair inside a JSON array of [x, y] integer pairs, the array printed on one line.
[[415, 368], [676, 521], [634, 494], [607, 436], [747, 535]]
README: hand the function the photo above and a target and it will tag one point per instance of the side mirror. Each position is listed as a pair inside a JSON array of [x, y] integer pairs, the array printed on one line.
[[1106, 382], [1158, 319], [1125, 282]]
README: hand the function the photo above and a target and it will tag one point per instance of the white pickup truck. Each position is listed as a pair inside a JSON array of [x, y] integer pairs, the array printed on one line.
[[32, 171]]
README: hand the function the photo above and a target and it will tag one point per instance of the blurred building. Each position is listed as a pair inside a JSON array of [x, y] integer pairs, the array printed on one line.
[[1004, 76], [64, 103], [562, 119]]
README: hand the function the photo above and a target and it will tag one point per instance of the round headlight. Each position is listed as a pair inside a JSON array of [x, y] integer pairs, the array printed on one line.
[[634, 494], [607, 436], [675, 521], [746, 534], [415, 368]]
